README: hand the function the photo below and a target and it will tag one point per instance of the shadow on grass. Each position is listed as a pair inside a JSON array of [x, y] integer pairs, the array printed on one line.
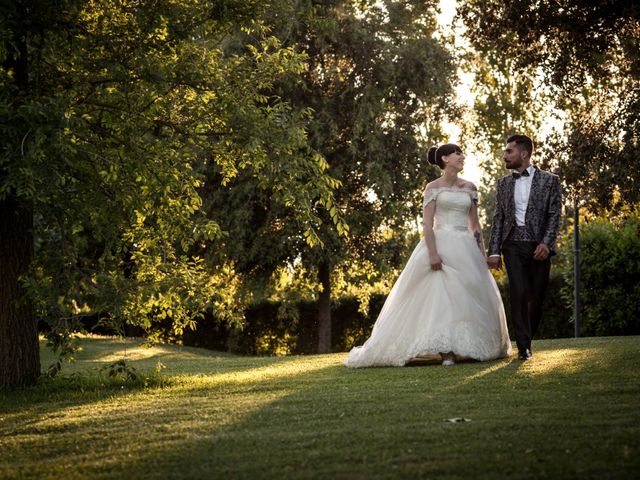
[[83, 384], [312, 417], [390, 422], [328, 420]]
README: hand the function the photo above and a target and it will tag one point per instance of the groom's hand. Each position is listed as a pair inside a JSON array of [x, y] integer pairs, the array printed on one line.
[[494, 262], [541, 252]]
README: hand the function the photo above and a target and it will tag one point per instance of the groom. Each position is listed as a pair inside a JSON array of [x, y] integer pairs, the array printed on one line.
[[525, 225]]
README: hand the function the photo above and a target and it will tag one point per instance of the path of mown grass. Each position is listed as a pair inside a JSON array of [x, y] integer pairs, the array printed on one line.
[[571, 412]]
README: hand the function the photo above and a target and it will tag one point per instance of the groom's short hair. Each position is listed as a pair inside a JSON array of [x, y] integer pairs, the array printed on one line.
[[523, 142]]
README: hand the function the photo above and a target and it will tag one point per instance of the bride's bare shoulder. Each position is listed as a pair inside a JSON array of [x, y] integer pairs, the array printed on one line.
[[466, 184], [433, 185]]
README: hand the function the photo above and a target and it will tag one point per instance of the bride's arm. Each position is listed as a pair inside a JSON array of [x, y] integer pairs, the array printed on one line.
[[474, 225], [429, 237]]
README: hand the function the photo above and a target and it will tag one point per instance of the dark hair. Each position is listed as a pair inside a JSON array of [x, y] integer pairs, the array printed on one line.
[[523, 142], [436, 153]]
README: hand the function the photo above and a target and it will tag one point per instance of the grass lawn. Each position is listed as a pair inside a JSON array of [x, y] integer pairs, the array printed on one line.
[[573, 411]]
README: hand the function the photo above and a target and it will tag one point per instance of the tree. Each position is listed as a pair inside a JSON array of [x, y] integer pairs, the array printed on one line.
[[507, 100], [378, 82], [111, 113], [376, 85], [588, 53]]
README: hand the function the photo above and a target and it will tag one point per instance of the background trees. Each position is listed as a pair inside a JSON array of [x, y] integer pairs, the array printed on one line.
[[163, 159], [587, 53], [376, 86], [111, 112], [378, 83]]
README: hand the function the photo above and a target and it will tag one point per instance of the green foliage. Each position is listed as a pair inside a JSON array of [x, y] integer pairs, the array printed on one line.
[[610, 275], [120, 370], [378, 83], [586, 56], [376, 86], [278, 328], [112, 114]]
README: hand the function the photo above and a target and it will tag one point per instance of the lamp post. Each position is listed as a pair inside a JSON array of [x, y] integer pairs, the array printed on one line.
[[576, 265]]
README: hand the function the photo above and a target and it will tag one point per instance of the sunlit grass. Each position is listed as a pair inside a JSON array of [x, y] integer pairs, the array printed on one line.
[[566, 360], [571, 412]]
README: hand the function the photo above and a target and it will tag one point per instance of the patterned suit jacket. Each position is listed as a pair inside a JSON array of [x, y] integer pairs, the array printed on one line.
[[543, 210]]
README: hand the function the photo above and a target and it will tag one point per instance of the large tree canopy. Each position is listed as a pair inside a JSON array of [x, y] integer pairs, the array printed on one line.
[[111, 113], [378, 83]]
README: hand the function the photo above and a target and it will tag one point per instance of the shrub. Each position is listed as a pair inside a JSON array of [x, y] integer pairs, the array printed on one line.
[[610, 276], [271, 329]]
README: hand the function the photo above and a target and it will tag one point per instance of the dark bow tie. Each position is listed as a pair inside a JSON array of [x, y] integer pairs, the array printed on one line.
[[516, 175]]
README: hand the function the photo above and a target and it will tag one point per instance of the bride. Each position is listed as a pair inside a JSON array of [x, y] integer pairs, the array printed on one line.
[[445, 301]]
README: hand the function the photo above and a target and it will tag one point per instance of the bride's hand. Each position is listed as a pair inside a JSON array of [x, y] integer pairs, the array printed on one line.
[[435, 261]]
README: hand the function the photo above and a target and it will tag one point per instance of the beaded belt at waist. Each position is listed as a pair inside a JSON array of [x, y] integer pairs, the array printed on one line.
[[456, 228]]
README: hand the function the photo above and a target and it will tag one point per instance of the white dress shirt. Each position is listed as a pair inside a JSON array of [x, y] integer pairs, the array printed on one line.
[[521, 193]]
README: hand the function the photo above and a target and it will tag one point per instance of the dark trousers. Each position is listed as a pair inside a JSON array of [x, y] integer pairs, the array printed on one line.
[[528, 280]]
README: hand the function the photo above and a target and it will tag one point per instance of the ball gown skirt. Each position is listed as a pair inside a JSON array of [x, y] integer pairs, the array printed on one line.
[[457, 309]]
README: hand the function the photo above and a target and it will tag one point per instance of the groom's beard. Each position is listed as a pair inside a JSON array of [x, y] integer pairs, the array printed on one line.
[[513, 165]]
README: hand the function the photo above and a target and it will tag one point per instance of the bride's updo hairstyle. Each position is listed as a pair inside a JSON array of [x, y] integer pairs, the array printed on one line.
[[436, 153]]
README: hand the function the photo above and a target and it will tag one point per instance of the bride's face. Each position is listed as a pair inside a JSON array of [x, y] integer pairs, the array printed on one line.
[[454, 160]]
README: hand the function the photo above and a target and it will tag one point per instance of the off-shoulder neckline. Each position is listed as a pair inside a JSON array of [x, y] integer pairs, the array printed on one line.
[[452, 188]]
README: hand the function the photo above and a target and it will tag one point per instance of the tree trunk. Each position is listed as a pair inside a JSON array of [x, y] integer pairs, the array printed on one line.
[[324, 308], [19, 349]]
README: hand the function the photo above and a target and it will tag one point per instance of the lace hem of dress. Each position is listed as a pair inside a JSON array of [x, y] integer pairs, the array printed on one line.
[[430, 194], [358, 357]]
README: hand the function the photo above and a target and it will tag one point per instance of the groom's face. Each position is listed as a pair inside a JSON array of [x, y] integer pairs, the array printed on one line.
[[513, 156]]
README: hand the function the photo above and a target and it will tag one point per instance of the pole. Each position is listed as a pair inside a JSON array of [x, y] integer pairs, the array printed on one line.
[[576, 266]]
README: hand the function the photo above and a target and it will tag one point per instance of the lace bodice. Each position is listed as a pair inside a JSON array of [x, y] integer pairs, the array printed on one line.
[[452, 206]]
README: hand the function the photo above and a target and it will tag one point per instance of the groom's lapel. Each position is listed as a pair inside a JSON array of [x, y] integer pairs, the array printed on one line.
[[534, 194], [511, 201], [536, 184]]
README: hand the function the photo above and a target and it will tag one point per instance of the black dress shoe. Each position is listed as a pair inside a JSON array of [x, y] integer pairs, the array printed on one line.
[[524, 354]]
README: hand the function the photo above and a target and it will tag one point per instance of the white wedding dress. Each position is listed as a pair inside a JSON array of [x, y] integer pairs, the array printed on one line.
[[456, 309]]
